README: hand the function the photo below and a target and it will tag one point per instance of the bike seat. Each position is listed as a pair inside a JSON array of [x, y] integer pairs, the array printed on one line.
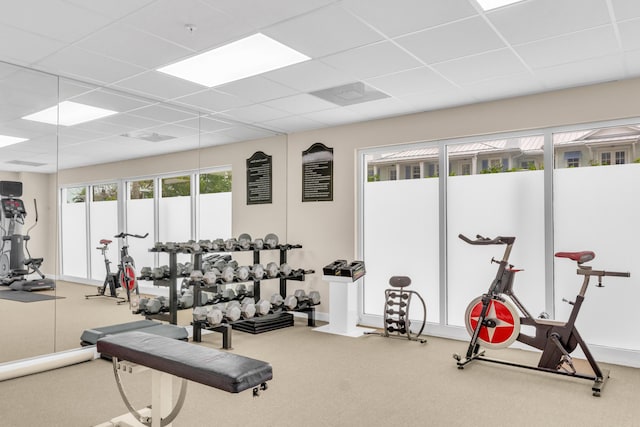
[[580, 257], [105, 242]]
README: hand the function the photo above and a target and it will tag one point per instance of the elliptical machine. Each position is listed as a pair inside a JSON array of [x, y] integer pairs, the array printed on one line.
[[14, 267]]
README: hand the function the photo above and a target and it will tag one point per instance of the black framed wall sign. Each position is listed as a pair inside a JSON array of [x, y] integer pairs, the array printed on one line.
[[317, 173], [259, 179]]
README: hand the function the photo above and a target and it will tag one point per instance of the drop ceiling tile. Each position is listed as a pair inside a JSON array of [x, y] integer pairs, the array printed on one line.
[[213, 124], [31, 47], [112, 9], [293, 124], [592, 70], [630, 34], [167, 19], [300, 104], [246, 133], [533, 20], [215, 138], [103, 127], [394, 19], [104, 98], [569, 48], [127, 44], [158, 85], [210, 100], [444, 98], [260, 14], [386, 107], [53, 19], [626, 9], [88, 66], [504, 87], [323, 32], [462, 38], [256, 113], [335, 116], [373, 60], [163, 113], [416, 80], [132, 121], [309, 76], [178, 132], [485, 66], [257, 89]]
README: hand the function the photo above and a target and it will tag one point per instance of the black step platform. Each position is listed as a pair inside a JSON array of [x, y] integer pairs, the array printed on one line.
[[270, 322], [91, 336]]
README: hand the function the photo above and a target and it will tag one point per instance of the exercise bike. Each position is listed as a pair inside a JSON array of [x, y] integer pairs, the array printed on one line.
[[125, 277], [493, 321]]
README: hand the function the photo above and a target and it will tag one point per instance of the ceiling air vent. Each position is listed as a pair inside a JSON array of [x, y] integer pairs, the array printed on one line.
[[148, 136], [25, 163], [350, 94]]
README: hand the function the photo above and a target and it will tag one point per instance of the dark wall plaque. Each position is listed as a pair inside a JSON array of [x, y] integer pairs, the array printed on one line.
[[259, 179], [317, 173]]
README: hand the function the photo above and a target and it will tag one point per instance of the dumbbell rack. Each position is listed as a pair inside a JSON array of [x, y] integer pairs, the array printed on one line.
[[270, 321], [255, 325]]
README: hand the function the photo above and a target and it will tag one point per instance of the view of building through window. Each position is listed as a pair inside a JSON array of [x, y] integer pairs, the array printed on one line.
[[598, 147]]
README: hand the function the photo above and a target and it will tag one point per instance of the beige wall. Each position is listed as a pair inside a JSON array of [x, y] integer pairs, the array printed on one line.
[[327, 230]]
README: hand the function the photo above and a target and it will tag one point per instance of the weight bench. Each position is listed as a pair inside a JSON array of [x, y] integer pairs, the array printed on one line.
[[225, 371]]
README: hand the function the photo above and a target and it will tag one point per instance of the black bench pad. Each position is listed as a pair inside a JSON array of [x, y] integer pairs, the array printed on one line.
[[226, 371], [91, 336]]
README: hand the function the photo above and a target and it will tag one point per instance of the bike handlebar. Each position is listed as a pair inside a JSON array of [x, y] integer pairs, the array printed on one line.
[[480, 240], [602, 273], [122, 235]]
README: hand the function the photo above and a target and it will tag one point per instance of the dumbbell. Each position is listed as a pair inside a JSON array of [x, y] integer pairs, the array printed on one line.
[[227, 273], [272, 270], [146, 272], [257, 271], [248, 308], [228, 294], [142, 305], [214, 316], [217, 245], [231, 244], [305, 300], [244, 241], [262, 307], [242, 273], [205, 244], [271, 241], [290, 302], [200, 314], [285, 269], [241, 291], [186, 299], [258, 244], [231, 311], [155, 305], [206, 297]]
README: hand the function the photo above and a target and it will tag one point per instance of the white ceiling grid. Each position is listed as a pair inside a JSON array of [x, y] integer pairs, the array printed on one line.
[[424, 55]]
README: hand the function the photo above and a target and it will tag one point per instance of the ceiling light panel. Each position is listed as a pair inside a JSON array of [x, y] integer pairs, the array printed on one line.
[[247, 57], [69, 113], [10, 140], [494, 4]]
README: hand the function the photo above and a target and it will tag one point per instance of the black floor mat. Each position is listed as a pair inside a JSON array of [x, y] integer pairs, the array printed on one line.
[[23, 296]]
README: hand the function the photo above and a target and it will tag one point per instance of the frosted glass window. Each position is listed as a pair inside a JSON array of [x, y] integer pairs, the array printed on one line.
[[175, 209], [140, 220], [74, 232], [596, 208], [401, 239], [215, 205], [493, 202], [103, 214]]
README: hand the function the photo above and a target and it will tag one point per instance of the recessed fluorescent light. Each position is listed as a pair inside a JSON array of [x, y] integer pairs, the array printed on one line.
[[494, 4], [69, 113], [9, 140], [246, 57]]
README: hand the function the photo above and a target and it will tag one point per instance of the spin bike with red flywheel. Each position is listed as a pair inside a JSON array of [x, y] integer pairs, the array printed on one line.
[[493, 320]]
